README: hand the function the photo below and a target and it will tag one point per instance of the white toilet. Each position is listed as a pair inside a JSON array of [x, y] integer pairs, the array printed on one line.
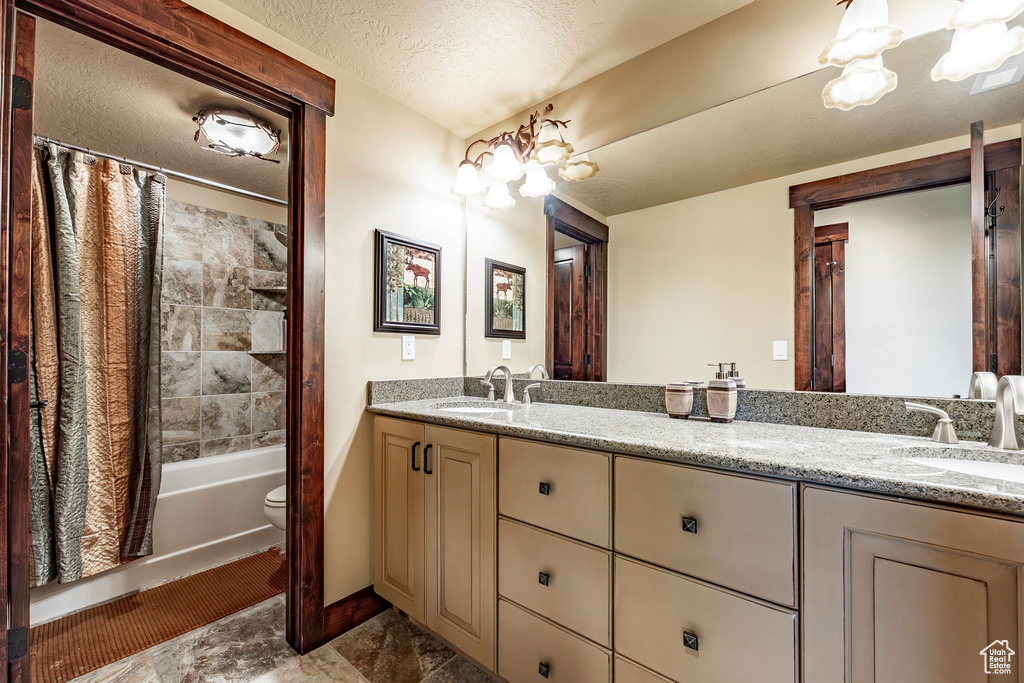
[[275, 507]]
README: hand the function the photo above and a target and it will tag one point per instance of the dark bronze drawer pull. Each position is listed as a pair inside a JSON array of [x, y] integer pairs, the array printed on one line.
[[690, 640], [543, 669], [544, 578], [414, 447], [689, 525], [545, 489], [426, 459]]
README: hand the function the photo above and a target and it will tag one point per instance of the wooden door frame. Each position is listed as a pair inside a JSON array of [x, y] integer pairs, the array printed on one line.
[[568, 220], [943, 170], [179, 37], [835, 236]]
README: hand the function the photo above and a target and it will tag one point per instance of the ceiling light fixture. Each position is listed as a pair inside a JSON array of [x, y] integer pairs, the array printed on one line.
[[864, 34], [579, 168], [981, 39], [507, 157], [237, 134]]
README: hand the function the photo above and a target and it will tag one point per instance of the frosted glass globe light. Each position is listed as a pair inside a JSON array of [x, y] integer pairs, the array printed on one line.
[[862, 82], [236, 133], [978, 50], [580, 168], [864, 33], [467, 181], [551, 149], [537, 182], [974, 13], [498, 197], [505, 167]]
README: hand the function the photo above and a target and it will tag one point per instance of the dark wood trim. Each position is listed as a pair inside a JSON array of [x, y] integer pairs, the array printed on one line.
[[177, 36], [347, 613], [180, 37], [19, 313], [943, 170], [1007, 270], [382, 240], [837, 232], [489, 331], [980, 337], [568, 220], [952, 168]]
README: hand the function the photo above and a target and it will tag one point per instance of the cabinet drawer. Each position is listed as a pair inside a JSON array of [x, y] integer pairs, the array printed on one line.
[[527, 642], [743, 531], [578, 495], [578, 590], [628, 672], [737, 638]]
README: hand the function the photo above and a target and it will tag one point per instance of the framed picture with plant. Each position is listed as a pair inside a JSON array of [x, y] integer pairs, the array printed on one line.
[[505, 303], [407, 285]]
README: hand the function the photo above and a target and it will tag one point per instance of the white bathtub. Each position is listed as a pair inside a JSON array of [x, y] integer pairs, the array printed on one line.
[[209, 511]]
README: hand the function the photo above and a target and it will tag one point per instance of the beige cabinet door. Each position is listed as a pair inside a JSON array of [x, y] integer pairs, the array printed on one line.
[[460, 531], [898, 592], [398, 519]]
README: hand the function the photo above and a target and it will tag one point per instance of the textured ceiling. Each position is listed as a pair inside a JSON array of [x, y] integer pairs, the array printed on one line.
[[96, 96], [468, 64], [786, 129]]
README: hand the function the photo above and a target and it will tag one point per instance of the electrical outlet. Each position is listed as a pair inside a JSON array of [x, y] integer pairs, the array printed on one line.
[[780, 350], [408, 347], [506, 349]]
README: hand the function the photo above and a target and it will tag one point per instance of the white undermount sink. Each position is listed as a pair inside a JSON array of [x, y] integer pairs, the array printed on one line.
[[476, 407], [978, 468]]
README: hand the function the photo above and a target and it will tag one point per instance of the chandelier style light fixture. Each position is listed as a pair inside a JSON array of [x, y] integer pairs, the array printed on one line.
[[864, 34], [981, 40], [509, 156], [237, 134]]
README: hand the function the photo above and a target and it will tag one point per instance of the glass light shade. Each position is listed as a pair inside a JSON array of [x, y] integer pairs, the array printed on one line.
[[498, 197], [235, 133], [505, 167], [977, 50], [863, 82], [864, 33], [580, 168], [467, 182], [974, 13], [537, 182], [551, 149]]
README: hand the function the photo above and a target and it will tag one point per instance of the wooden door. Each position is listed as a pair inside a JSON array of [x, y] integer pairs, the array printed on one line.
[[398, 520], [898, 592], [461, 540], [830, 307], [569, 312]]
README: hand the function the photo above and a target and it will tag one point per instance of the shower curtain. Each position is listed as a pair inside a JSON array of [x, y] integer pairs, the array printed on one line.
[[97, 259]]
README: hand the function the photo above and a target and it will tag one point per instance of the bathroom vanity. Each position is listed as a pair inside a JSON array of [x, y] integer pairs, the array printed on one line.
[[577, 544]]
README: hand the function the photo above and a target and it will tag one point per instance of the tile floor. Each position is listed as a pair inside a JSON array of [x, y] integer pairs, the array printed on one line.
[[250, 646]]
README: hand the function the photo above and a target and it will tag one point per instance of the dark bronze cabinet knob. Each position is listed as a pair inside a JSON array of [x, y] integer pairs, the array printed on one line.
[[690, 640], [689, 525], [544, 578], [545, 489], [543, 669]]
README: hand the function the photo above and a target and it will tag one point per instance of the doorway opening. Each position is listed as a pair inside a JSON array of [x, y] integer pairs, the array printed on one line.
[[577, 301]]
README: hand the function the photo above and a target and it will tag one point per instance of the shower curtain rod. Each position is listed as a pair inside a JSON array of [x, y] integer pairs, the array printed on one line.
[[170, 174]]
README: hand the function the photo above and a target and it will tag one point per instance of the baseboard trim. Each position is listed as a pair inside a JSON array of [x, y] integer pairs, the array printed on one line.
[[349, 612]]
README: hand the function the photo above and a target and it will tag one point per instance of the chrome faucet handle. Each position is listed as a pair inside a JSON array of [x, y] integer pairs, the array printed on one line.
[[490, 389], [944, 432], [526, 392], [1009, 404], [983, 386]]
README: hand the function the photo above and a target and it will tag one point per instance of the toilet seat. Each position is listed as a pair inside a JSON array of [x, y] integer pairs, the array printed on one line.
[[277, 498]]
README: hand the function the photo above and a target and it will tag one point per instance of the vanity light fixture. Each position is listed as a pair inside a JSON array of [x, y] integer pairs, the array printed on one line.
[[981, 39], [864, 34], [505, 158], [236, 133]]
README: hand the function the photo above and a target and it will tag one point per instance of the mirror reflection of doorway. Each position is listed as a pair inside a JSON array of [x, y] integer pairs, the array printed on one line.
[[577, 308]]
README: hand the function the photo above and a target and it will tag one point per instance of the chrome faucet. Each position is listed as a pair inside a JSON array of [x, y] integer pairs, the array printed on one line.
[[983, 386], [543, 371], [944, 432], [509, 396], [1009, 404]]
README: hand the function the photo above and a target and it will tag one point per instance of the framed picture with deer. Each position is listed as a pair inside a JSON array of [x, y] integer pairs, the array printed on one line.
[[505, 303], [407, 285]]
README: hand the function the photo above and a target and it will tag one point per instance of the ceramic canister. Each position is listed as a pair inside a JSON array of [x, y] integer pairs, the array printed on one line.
[[721, 399], [679, 399]]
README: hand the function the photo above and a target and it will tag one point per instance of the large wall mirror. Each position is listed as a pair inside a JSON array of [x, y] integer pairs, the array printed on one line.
[[817, 249]]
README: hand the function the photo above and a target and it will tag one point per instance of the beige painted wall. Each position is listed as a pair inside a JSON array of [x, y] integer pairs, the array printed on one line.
[[710, 279], [755, 47], [387, 168], [199, 195]]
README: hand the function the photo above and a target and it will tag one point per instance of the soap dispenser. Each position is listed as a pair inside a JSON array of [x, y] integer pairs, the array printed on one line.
[[734, 375], [721, 396]]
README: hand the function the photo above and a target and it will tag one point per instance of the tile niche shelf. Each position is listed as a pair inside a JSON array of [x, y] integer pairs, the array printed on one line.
[[272, 290], [267, 353]]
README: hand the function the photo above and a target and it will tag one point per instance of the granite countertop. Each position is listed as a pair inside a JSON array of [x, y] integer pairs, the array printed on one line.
[[880, 463]]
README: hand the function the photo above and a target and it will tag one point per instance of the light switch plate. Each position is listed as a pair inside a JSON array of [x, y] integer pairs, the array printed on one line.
[[506, 349], [408, 347], [780, 350]]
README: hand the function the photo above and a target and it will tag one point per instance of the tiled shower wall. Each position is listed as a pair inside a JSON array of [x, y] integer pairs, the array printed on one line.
[[220, 393]]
